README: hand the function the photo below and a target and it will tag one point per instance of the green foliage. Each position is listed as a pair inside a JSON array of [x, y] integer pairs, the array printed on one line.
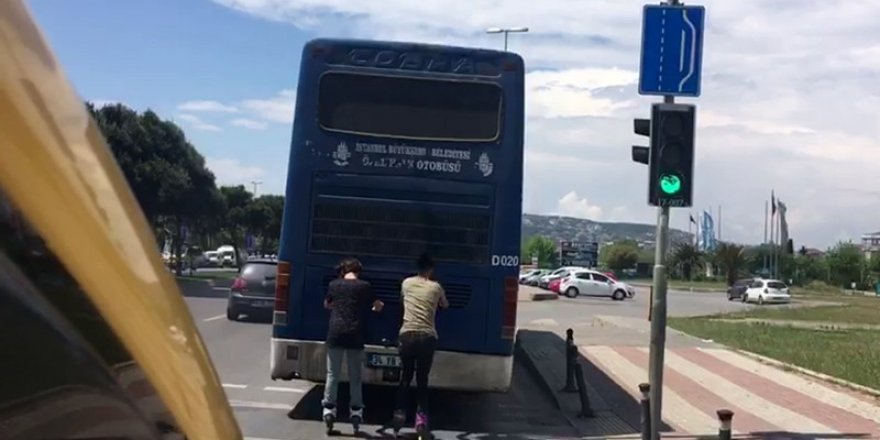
[[619, 256], [687, 258], [542, 247], [732, 259], [846, 264], [174, 188]]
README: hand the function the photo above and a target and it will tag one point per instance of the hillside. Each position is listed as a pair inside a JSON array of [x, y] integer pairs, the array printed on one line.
[[578, 229]]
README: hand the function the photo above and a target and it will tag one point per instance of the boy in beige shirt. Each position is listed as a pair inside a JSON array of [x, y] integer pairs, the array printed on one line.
[[421, 295]]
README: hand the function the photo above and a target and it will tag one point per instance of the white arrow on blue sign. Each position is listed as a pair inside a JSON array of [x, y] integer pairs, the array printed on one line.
[[672, 50]]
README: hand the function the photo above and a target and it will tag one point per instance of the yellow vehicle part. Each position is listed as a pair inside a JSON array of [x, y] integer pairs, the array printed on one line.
[[57, 168]]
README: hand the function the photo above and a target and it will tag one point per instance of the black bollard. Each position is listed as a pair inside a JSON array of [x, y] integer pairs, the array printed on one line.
[[645, 389], [586, 408], [570, 359], [725, 417]]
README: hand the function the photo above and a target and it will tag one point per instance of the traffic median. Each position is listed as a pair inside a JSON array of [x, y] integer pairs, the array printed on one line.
[[529, 293]]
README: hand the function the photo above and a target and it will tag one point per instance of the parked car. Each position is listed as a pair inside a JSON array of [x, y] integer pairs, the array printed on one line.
[[253, 291], [553, 285], [525, 276], [767, 291], [738, 289], [534, 277], [561, 272], [592, 283]]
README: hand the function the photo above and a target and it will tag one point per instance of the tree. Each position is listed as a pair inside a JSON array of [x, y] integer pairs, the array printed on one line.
[[542, 247], [732, 258], [166, 173], [846, 264], [687, 257], [620, 256]]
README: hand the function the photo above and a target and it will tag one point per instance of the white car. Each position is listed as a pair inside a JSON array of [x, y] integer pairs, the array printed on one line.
[[592, 283], [767, 291], [562, 272]]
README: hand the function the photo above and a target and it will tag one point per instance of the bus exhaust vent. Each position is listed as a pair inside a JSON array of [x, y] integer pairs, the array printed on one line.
[[388, 290], [376, 229]]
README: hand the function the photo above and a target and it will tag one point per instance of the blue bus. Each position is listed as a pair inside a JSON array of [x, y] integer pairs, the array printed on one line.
[[400, 149]]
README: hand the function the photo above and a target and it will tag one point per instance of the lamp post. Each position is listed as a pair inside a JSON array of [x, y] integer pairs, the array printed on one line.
[[506, 31]]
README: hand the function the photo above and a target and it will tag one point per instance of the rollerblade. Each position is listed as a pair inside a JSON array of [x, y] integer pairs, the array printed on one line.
[[397, 422], [422, 432], [356, 415], [329, 418]]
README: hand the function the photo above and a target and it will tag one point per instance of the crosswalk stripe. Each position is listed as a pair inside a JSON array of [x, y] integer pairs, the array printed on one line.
[[683, 416], [813, 389], [699, 381], [750, 401]]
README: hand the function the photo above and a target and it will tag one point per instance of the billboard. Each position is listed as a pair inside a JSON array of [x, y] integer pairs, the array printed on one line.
[[579, 253]]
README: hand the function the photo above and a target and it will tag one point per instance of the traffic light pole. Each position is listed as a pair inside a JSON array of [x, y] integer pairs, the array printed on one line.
[[658, 311]]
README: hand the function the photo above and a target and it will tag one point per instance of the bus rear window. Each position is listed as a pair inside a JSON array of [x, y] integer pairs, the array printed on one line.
[[409, 108]]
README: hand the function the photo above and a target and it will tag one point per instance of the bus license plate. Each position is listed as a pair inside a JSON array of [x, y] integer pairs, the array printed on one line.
[[383, 360]]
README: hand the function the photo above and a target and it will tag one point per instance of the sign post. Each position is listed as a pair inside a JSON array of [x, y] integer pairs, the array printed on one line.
[[671, 63]]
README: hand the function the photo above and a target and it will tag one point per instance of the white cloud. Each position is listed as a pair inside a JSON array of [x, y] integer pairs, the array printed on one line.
[[789, 101], [278, 108], [572, 92], [98, 103], [571, 204], [197, 123], [232, 172], [206, 106], [249, 123]]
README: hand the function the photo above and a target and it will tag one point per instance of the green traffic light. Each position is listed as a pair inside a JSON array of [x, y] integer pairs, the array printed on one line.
[[670, 184]]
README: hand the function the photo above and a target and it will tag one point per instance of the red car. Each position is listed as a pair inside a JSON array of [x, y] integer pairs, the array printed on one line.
[[554, 285]]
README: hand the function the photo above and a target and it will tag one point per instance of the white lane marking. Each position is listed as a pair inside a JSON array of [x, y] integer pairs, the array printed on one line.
[[214, 318], [259, 405], [259, 438], [285, 390], [220, 288], [237, 386]]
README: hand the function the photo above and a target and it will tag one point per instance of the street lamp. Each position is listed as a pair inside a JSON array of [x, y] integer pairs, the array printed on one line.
[[506, 31], [256, 183]]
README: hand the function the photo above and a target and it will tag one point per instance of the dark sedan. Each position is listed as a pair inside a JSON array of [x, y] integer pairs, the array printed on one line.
[[738, 289], [253, 291]]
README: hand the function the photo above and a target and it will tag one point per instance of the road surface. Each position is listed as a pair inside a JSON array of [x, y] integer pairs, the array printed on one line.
[[291, 410]]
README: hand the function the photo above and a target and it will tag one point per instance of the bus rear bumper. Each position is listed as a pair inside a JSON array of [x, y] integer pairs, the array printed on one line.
[[294, 359]]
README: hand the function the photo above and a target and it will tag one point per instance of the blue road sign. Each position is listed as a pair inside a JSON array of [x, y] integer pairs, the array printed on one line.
[[672, 50]]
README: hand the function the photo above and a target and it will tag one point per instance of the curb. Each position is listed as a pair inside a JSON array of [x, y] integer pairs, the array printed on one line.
[[815, 374], [530, 364], [543, 296]]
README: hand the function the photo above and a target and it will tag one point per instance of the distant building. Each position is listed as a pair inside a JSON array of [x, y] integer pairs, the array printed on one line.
[[871, 243]]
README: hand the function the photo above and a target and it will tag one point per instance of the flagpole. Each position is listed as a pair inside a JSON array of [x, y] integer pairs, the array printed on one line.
[[719, 222], [766, 213]]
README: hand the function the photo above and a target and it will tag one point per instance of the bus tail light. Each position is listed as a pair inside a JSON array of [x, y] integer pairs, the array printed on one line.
[[282, 290], [508, 323]]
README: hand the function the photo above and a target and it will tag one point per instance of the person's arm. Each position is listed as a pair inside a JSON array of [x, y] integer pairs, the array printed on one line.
[[328, 300], [443, 303]]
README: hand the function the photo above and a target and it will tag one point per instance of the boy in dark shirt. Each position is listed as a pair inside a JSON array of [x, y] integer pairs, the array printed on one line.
[[348, 299]]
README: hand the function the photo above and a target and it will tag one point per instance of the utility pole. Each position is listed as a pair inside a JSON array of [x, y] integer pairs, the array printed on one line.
[[506, 31], [256, 183]]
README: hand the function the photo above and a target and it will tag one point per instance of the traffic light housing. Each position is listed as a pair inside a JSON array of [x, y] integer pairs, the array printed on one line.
[[641, 154], [671, 157]]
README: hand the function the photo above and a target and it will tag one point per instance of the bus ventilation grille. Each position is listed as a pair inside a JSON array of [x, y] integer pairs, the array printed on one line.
[[357, 228], [388, 290]]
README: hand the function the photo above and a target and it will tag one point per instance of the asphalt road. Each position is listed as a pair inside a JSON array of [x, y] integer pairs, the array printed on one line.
[[291, 410]]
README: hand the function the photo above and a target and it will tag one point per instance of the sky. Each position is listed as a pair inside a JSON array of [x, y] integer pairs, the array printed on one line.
[[790, 98]]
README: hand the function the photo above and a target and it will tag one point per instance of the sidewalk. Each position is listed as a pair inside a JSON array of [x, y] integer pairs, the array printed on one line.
[[699, 378]]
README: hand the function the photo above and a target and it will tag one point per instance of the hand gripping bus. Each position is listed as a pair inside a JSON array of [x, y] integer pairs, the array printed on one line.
[[400, 149]]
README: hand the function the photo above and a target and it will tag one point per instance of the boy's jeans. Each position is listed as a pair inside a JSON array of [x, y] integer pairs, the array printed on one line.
[[355, 359]]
